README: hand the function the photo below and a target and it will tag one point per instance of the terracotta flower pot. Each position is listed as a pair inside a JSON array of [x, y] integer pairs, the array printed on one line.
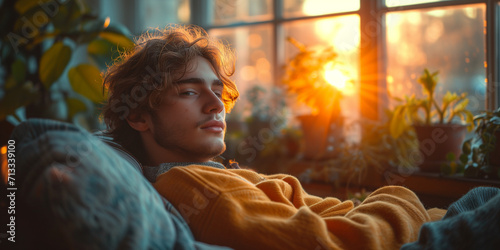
[[320, 139], [436, 142]]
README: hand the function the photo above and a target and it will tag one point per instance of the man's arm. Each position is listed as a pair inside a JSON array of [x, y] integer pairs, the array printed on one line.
[[229, 208]]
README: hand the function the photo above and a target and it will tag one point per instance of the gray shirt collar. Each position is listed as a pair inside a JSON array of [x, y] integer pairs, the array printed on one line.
[[151, 172]]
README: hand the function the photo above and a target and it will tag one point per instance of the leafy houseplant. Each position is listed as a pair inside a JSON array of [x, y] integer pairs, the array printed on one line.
[[305, 80], [52, 55], [480, 154], [373, 154], [434, 123], [254, 130]]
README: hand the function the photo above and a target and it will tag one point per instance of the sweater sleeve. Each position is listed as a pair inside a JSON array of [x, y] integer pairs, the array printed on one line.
[[245, 210]]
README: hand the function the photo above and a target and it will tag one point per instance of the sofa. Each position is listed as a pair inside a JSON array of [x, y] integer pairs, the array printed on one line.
[[77, 190]]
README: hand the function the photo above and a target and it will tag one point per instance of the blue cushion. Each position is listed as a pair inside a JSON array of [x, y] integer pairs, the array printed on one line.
[[91, 195]]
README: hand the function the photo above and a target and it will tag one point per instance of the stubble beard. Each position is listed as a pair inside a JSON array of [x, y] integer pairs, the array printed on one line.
[[174, 139]]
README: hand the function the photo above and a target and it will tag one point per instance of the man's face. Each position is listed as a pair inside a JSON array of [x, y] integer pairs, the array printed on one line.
[[190, 125]]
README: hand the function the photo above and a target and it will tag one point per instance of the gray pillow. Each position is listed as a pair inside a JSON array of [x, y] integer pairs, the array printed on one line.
[[76, 192]]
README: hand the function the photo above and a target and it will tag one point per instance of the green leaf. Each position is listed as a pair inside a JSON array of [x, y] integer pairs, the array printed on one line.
[[75, 106], [86, 80], [53, 63]]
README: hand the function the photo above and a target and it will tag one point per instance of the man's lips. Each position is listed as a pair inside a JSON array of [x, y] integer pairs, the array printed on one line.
[[213, 126]]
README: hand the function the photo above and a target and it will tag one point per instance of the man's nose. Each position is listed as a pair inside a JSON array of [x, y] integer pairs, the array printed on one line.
[[214, 104]]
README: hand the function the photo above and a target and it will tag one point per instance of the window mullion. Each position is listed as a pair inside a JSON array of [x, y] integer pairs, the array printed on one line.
[[492, 57], [201, 12], [371, 30], [279, 40]]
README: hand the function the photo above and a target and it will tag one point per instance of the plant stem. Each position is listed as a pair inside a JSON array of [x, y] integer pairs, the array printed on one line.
[[440, 112]]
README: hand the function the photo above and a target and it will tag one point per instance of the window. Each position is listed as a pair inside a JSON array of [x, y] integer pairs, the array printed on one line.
[[258, 32], [338, 32], [448, 39], [297, 8], [384, 44], [456, 37], [229, 11], [140, 16], [254, 66]]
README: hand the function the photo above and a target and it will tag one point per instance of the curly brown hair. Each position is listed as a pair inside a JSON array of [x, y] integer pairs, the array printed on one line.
[[137, 80]]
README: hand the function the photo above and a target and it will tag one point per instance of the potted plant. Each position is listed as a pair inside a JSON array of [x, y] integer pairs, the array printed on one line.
[[52, 55], [435, 124], [305, 80], [251, 128], [481, 154], [374, 154]]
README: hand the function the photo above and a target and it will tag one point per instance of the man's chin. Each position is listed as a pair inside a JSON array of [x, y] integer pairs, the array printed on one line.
[[214, 149]]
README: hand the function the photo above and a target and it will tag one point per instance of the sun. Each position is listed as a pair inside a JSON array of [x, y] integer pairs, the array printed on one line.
[[339, 79]]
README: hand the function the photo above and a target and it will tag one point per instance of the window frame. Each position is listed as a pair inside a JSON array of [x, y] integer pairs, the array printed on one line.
[[372, 44]]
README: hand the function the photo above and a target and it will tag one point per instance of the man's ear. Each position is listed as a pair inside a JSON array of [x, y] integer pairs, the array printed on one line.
[[139, 121]]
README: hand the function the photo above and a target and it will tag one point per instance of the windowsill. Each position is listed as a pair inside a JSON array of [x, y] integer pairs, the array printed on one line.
[[433, 189]]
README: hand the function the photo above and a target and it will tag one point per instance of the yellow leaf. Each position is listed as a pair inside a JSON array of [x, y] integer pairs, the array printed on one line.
[[449, 97], [118, 39], [461, 106], [398, 124], [428, 81], [22, 6], [99, 47], [53, 63], [86, 80]]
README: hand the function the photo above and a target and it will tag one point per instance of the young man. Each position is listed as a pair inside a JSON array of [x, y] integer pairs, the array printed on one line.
[[167, 104]]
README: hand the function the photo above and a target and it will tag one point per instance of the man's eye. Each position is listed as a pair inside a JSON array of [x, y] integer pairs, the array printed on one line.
[[188, 93], [218, 94]]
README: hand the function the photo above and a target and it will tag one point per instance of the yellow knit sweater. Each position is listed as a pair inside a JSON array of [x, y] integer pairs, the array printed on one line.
[[246, 210]]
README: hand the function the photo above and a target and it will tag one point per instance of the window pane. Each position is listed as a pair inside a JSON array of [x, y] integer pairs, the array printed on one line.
[[450, 40], [156, 13], [395, 3], [293, 8], [254, 64], [344, 35], [231, 11]]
